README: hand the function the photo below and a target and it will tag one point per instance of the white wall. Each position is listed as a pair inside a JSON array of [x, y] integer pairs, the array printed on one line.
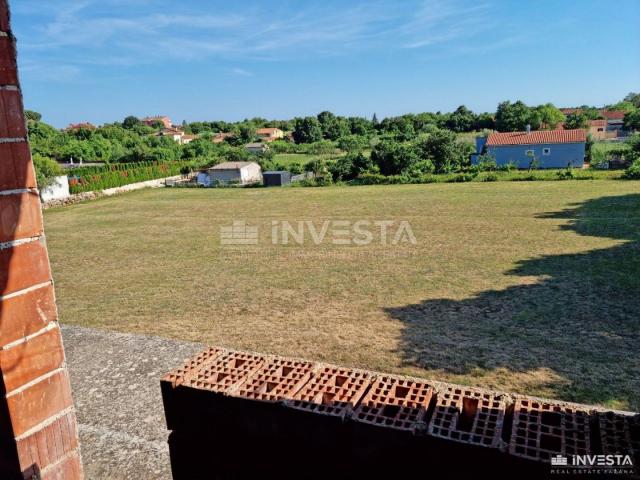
[[58, 190]]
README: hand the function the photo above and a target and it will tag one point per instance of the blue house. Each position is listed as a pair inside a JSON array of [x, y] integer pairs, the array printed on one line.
[[549, 148]]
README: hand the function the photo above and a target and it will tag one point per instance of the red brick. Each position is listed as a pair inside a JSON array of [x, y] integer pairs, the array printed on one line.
[[12, 123], [16, 169], [4, 16], [39, 402], [620, 434], [400, 403], [332, 390], [276, 380], [25, 314], [29, 360], [23, 266], [225, 372], [176, 377], [20, 216], [47, 446], [469, 416], [543, 429], [68, 469], [8, 71]]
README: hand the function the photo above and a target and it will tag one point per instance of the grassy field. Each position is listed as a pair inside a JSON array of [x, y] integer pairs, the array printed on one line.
[[522, 286]]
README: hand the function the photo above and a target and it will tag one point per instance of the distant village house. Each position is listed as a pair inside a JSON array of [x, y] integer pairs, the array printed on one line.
[[151, 121], [269, 134], [547, 148]]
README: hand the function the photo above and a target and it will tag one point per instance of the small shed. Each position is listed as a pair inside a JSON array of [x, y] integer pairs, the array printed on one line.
[[276, 178], [241, 173]]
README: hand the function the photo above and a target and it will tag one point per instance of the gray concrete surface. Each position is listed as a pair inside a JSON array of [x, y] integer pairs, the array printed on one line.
[[116, 386]]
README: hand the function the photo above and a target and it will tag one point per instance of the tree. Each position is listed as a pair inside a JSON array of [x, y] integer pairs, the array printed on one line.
[[360, 126], [442, 149], [486, 121], [374, 120], [462, 120], [130, 122], [332, 127], [33, 116], [246, 133], [576, 120], [550, 116], [307, 130], [393, 158], [350, 166], [46, 169], [512, 117], [633, 98], [632, 120], [353, 143]]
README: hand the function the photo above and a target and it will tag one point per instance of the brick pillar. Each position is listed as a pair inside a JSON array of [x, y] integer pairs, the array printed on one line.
[[38, 431]]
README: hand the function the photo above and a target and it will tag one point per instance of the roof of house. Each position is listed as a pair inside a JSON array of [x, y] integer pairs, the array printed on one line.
[[537, 137], [592, 123], [170, 131], [232, 165], [190, 137], [265, 131], [612, 115], [255, 145]]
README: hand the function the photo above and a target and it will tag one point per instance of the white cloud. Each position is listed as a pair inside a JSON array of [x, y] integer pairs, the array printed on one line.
[[241, 72]]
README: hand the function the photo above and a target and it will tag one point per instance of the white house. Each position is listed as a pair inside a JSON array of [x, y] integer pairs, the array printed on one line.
[[241, 173], [256, 147]]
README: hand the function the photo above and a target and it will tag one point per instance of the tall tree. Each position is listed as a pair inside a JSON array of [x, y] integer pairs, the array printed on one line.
[[307, 130], [512, 117]]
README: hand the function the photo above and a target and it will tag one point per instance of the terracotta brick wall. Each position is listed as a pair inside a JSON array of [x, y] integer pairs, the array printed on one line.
[[38, 431]]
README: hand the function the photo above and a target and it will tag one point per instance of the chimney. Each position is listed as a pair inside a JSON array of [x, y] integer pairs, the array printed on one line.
[[528, 128]]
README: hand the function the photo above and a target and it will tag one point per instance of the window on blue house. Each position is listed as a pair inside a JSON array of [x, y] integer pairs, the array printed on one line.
[[546, 151]]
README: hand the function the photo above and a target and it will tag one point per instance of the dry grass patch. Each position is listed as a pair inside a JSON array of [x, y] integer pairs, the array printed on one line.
[[530, 287]]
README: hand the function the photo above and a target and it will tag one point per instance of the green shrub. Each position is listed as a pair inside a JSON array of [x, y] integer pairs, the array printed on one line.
[[633, 172], [491, 177], [463, 177], [566, 174], [510, 166], [47, 170]]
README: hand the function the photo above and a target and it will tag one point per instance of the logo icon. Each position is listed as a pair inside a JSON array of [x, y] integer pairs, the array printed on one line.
[[559, 461], [239, 234]]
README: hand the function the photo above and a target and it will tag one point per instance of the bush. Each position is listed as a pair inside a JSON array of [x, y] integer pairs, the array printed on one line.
[[491, 177], [633, 172], [487, 163], [566, 174], [463, 177], [510, 166], [47, 170]]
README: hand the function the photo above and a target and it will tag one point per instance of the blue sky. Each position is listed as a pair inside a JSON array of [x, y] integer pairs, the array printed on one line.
[[100, 60]]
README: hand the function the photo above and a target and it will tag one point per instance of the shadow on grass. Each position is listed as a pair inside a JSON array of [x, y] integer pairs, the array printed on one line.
[[580, 321]]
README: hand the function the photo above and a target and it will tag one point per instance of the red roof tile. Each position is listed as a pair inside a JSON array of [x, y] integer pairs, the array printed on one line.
[[537, 137], [612, 115]]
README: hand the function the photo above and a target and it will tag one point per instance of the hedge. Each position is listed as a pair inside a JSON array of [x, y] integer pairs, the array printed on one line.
[[88, 179]]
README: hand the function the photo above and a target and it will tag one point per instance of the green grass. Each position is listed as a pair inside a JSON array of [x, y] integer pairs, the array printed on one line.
[[529, 287]]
